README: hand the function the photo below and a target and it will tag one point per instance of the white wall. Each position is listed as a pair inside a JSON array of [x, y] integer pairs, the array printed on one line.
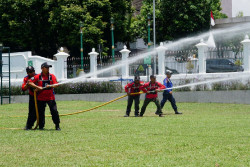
[[226, 6], [240, 5], [38, 61], [19, 62]]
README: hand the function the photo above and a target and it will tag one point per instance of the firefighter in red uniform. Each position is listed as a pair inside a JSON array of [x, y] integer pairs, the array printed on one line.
[[46, 96], [133, 87], [151, 88], [32, 112]]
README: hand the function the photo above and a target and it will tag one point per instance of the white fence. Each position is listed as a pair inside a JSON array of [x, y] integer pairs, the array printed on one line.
[[166, 59]]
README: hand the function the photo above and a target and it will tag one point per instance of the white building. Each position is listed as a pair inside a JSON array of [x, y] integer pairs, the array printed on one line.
[[232, 8]]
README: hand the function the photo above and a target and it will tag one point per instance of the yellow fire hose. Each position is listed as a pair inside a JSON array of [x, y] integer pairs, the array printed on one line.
[[96, 106], [37, 114]]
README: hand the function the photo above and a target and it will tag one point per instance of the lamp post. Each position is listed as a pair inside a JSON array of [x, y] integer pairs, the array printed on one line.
[[154, 36], [1, 63], [81, 26], [112, 38], [100, 52], [1, 72], [149, 31], [147, 60]]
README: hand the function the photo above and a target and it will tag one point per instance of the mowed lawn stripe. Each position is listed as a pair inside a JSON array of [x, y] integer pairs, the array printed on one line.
[[205, 135]]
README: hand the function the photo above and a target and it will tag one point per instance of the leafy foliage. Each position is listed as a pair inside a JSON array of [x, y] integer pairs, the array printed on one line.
[[94, 87], [184, 82], [189, 66], [75, 88], [44, 26], [175, 19], [236, 85]]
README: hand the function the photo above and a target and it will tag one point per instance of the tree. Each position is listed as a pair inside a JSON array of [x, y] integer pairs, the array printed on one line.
[[65, 17], [121, 11], [24, 26], [179, 18], [43, 26], [129, 28]]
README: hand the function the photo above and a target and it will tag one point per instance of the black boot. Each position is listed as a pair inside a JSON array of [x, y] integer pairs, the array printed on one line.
[[127, 114], [27, 128], [58, 127], [140, 114], [137, 114], [176, 112]]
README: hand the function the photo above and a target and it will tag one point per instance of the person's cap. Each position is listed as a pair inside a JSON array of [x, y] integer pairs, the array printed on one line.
[[30, 69], [152, 76], [46, 65], [168, 72], [137, 78]]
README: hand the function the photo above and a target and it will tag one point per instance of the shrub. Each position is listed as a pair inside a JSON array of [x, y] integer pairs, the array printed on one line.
[[190, 66], [238, 62], [116, 87], [75, 88], [201, 88], [89, 87], [234, 85], [219, 86], [184, 82], [15, 90]]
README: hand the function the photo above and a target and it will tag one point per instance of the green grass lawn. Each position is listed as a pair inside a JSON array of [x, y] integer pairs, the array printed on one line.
[[205, 135]]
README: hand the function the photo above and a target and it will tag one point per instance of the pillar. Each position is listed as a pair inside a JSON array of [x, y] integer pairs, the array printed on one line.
[[61, 64], [125, 66], [202, 49], [246, 53], [161, 59], [93, 62]]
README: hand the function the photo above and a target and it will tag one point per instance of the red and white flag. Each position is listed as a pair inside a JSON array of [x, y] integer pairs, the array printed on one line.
[[212, 19]]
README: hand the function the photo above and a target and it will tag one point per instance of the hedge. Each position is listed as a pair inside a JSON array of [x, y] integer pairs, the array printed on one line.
[[76, 88], [115, 87]]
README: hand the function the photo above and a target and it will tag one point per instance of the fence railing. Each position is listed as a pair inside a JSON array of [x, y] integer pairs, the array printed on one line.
[[231, 53], [181, 61], [74, 64]]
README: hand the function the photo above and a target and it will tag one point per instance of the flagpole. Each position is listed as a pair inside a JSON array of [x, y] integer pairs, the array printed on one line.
[[210, 26], [211, 41], [154, 36]]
